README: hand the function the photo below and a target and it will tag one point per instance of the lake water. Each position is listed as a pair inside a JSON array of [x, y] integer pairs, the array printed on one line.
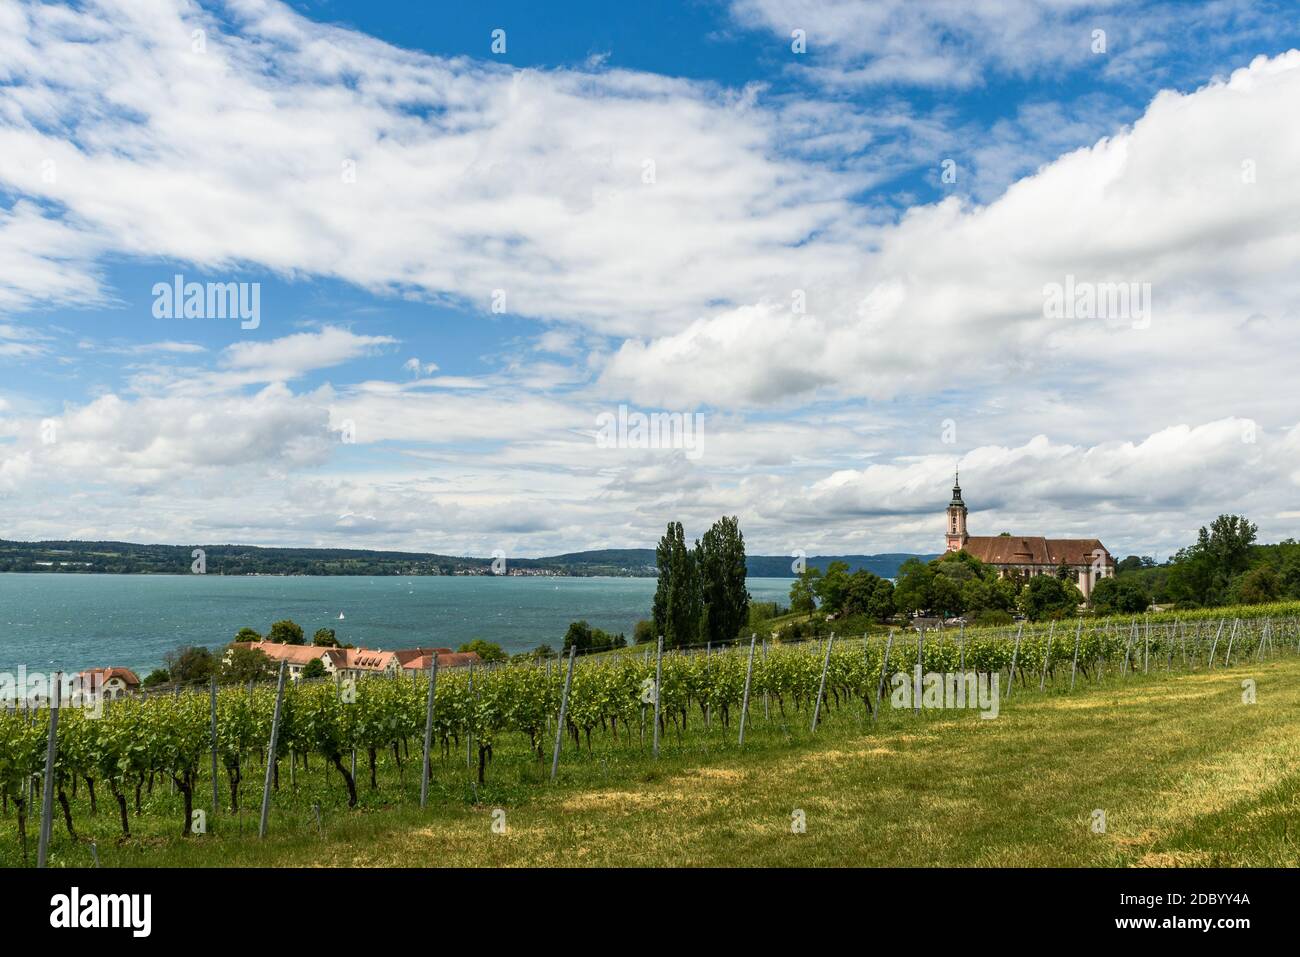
[[70, 622]]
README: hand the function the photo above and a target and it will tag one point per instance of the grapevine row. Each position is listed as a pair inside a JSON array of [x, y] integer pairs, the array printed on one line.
[[348, 727]]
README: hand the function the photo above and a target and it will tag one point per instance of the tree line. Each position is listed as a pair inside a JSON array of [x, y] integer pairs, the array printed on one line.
[[953, 584], [1224, 566]]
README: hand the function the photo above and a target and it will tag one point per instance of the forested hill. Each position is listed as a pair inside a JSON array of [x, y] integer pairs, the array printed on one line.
[[126, 558]]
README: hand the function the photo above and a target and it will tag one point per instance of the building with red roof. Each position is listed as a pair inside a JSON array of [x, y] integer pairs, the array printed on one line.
[[1086, 558]]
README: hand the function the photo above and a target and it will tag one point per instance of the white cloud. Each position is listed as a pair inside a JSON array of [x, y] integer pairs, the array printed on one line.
[[250, 363], [21, 341], [1134, 495], [822, 425], [157, 440], [952, 296], [937, 43], [414, 366], [43, 260], [291, 356], [963, 43], [622, 200], [477, 472]]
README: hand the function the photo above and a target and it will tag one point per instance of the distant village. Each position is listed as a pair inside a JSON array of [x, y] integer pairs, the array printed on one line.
[[338, 664]]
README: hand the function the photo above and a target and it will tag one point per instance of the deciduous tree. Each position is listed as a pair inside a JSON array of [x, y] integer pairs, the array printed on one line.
[[721, 563], [285, 632]]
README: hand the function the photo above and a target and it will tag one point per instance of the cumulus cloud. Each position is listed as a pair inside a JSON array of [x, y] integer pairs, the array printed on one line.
[[1163, 470], [153, 440], [953, 294], [474, 475]]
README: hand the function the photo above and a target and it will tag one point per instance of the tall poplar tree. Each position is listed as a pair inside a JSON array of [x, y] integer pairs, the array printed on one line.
[[721, 561], [677, 604]]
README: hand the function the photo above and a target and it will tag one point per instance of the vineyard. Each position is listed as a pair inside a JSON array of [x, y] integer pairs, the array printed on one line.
[[342, 746]]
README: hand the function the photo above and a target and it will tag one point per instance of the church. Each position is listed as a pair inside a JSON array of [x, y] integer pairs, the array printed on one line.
[[1086, 558]]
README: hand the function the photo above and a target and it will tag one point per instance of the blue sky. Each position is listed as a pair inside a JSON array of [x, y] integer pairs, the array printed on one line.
[[465, 258]]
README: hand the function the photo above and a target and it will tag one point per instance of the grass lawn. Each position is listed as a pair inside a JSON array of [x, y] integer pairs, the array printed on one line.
[[1186, 773]]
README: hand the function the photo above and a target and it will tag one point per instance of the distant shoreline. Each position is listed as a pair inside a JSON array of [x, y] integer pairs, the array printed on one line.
[[253, 561], [358, 574]]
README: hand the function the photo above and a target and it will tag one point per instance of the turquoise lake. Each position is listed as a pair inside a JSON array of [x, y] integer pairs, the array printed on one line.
[[67, 622]]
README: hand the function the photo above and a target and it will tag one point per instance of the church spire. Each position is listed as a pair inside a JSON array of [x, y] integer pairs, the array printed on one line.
[[956, 513]]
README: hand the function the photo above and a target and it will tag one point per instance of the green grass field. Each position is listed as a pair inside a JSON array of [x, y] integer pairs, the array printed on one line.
[[1186, 773]]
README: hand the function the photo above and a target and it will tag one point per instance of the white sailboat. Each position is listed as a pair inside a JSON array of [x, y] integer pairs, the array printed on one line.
[[340, 616]]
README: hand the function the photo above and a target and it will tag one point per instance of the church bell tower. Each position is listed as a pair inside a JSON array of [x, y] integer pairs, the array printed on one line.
[[956, 518]]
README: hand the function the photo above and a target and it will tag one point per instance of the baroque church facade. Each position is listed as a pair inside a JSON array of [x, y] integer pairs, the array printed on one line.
[[1027, 555]]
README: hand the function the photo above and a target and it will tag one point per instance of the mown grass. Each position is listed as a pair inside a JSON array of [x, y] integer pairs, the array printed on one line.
[[1186, 773]]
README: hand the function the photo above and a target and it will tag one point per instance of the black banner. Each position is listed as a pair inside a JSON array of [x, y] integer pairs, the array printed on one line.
[[335, 907]]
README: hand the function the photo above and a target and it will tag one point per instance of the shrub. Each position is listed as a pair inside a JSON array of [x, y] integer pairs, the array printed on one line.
[[313, 669], [486, 650]]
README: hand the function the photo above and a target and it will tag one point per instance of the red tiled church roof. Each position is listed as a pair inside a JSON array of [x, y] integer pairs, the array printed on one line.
[[1035, 550]]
